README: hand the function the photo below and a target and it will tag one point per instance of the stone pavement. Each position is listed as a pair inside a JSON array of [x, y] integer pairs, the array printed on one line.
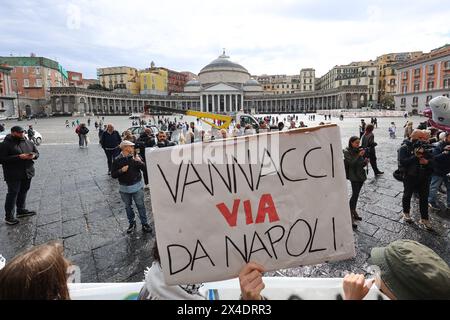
[[79, 204]]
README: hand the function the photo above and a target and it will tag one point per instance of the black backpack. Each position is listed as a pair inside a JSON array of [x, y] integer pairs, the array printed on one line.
[[399, 174], [84, 130]]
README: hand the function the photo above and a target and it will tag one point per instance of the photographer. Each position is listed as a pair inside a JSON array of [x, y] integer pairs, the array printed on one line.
[[415, 161], [145, 140], [368, 142], [127, 167], [355, 161], [441, 170]]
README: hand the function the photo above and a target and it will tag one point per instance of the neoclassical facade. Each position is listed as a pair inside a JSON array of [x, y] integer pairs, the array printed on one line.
[[73, 100], [222, 86]]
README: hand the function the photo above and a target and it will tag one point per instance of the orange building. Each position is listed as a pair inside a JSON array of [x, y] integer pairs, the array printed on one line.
[[32, 77], [422, 79], [75, 79]]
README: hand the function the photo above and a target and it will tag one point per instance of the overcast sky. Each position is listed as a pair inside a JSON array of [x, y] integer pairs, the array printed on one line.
[[265, 36]]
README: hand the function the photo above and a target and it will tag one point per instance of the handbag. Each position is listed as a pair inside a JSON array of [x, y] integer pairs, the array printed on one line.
[[399, 175]]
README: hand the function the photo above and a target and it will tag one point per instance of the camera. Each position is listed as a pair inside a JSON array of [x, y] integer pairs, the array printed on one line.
[[424, 146], [366, 151]]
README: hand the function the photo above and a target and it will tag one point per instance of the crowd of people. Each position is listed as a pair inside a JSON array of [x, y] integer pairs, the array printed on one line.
[[41, 272], [423, 167]]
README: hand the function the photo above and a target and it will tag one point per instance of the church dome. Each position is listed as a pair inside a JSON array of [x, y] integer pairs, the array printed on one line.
[[223, 69], [223, 62], [192, 86], [193, 83], [251, 82]]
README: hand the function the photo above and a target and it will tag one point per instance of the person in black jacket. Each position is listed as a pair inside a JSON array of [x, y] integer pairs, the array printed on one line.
[[368, 142], [355, 162], [16, 156], [31, 133], [145, 140], [441, 170], [127, 168], [110, 141], [416, 163]]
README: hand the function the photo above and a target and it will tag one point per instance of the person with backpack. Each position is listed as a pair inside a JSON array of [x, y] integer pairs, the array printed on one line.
[[82, 132], [355, 162], [416, 165]]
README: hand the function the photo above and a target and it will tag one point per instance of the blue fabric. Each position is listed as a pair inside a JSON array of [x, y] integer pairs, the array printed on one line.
[[131, 189], [436, 182], [138, 198]]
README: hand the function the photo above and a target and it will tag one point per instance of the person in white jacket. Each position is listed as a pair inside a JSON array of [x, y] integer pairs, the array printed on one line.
[[155, 288]]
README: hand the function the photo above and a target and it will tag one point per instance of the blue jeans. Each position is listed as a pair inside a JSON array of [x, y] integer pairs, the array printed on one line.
[[138, 198], [436, 182]]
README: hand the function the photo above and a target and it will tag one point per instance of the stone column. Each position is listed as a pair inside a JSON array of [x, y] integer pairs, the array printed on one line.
[[201, 102]]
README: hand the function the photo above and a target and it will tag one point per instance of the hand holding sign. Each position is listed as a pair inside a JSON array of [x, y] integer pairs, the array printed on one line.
[[355, 286], [250, 280]]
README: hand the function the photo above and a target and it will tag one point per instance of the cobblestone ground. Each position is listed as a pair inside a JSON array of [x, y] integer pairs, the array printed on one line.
[[78, 204]]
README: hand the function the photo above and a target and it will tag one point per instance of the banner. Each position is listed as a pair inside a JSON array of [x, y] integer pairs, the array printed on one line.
[[277, 288], [279, 199]]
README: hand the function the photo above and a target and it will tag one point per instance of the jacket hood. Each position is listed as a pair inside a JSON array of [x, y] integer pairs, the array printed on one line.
[[159, 290]]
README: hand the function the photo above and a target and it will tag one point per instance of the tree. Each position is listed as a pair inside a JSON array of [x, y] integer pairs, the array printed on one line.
[[96, 86], [387, 101]]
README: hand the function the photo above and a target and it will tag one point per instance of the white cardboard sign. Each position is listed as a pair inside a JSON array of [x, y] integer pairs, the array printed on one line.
[[279, 199]]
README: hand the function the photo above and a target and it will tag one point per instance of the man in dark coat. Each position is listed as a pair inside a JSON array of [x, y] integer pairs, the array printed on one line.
[[110, 141], [16, 156]]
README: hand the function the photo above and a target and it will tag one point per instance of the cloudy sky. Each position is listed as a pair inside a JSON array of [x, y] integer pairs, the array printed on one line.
[[266, 36]]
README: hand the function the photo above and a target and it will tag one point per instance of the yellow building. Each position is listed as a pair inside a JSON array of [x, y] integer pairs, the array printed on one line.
[[387, 75], [154, 81], [120, 79]]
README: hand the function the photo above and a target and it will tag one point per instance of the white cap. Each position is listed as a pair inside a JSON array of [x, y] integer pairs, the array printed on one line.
[[126, 143]]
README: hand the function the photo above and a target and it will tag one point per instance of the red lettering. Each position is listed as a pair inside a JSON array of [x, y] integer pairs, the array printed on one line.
[[266, 207], [231, 217], [248, 212]]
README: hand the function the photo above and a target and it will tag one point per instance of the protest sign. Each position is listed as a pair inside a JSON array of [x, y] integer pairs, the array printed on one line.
[[279, 199]]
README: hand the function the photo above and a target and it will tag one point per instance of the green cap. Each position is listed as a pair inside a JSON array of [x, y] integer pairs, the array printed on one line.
[[412, 271]]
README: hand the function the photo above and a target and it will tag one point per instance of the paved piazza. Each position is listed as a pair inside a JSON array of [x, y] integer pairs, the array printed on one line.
[[79, 204]]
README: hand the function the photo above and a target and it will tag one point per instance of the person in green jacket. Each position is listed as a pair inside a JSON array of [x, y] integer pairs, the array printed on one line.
[[355, 162]]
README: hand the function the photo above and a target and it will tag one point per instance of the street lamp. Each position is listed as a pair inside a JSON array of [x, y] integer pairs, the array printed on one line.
[[18, 103]]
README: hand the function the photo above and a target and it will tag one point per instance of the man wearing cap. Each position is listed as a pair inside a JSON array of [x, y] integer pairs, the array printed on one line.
[[407, 270], [16, 156], [127, 168], [441, 170]]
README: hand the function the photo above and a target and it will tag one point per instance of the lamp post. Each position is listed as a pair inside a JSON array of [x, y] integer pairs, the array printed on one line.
[[18, 103]]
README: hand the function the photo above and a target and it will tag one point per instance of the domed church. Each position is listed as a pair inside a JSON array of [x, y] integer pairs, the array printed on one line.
[[221, 86]]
